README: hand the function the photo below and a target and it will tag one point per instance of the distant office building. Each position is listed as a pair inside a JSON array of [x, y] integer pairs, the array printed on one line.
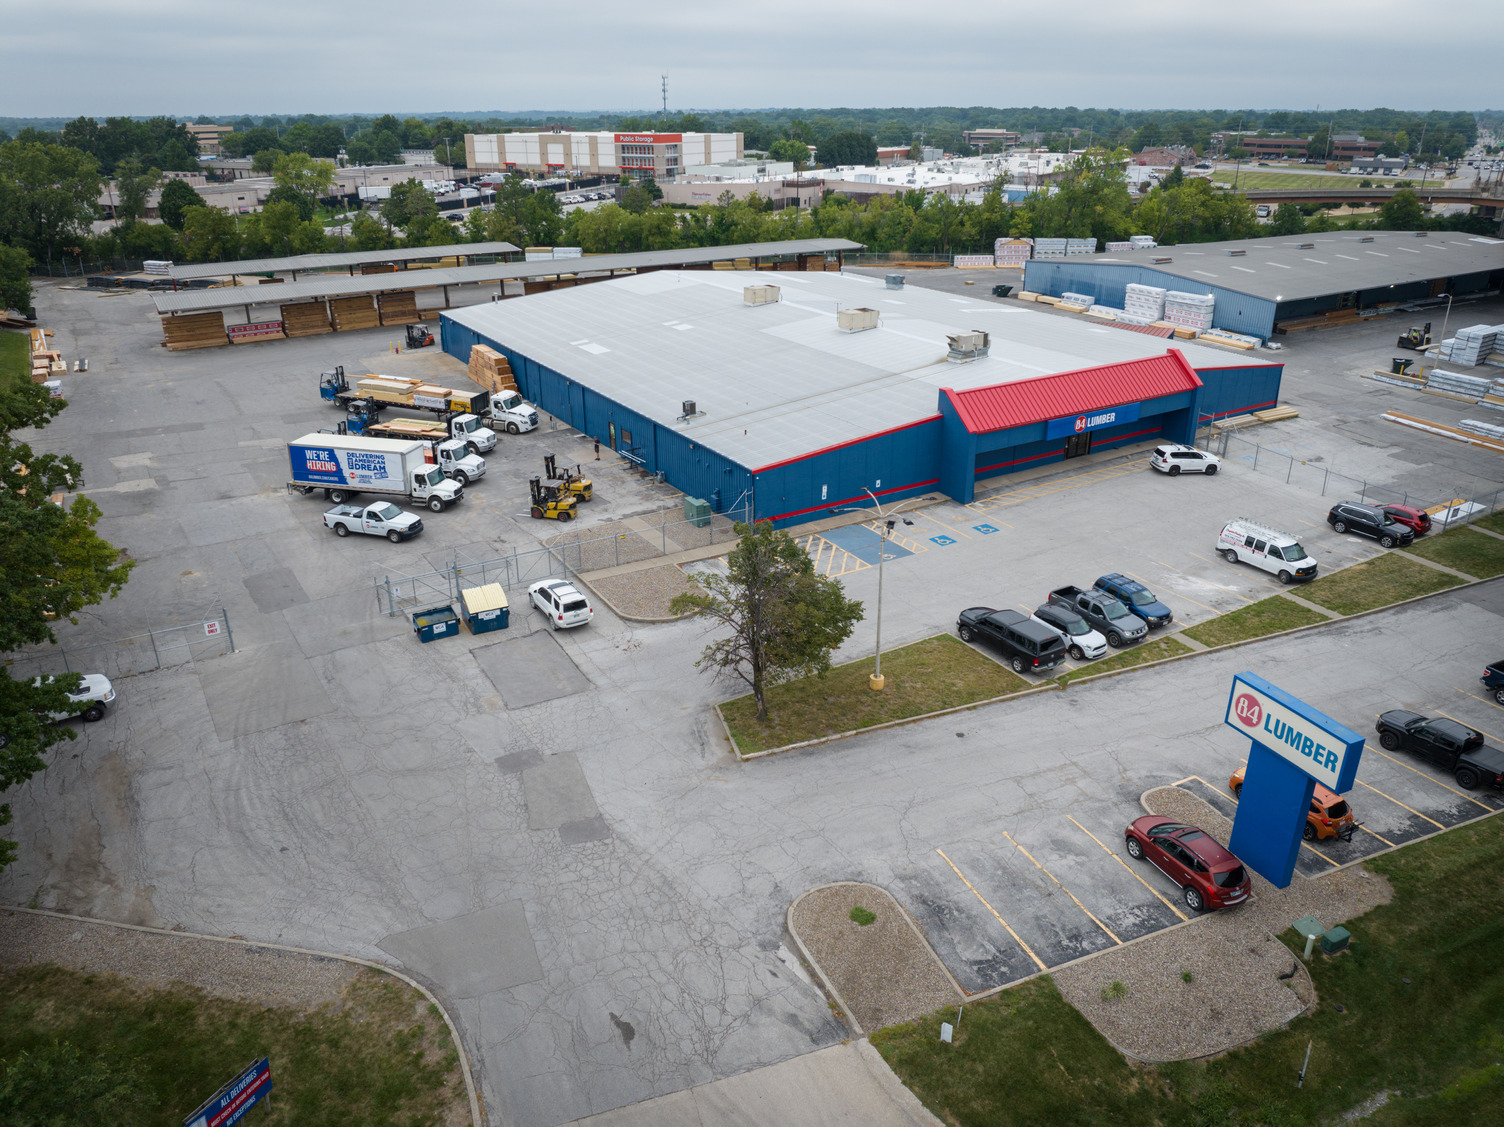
[[636, 156], [977, 138], [1342, 147], [208, 136], [1380, 164]]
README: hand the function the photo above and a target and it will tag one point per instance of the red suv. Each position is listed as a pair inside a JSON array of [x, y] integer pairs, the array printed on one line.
[[1416, 520], [1208, 875]]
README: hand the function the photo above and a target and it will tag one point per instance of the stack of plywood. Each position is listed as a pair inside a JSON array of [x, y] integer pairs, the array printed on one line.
[[46, 363], [398, 308], [306, 319], [194, 330], [490, 369], [351, 313]]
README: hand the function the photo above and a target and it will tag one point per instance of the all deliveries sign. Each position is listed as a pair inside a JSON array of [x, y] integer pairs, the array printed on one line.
[[226, 1106]]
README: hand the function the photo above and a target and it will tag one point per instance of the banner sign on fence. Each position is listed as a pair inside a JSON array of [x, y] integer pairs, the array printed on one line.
[[226, 1106]]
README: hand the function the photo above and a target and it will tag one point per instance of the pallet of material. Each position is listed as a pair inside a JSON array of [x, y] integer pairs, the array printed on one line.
[[1444, 430], [398, 308], [350, 313], [194, 330], [378, 268], [724, 264], [490, 369], [1025, 295], [1276, 414], [1046, 299], [1183, 333], [306, 319], [1071, 307]]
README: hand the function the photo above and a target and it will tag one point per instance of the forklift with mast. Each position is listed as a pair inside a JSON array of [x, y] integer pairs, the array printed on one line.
[[568, 481], [550, 501], [1416, 339]]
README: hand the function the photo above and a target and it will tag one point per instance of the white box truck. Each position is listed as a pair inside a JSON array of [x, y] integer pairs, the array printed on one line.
[[344, 466]]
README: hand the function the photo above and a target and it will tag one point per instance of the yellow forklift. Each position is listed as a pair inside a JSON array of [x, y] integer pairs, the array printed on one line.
[[550, 502], [1416, 340], [569, 481]]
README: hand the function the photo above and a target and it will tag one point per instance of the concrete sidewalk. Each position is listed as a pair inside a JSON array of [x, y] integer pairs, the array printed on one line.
[[846, 1083]]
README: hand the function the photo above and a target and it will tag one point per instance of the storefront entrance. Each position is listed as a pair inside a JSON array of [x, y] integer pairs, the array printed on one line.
[[1078, 444]]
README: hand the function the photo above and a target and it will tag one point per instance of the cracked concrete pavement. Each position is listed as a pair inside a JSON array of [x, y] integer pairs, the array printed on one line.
[[550, 830]]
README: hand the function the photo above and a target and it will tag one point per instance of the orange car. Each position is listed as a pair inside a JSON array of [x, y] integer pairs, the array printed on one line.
[[1330, 815]]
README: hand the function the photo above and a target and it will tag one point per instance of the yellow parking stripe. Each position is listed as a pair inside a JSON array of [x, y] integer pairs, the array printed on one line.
[[1130, 872], [1397, 802], [1063, 889], [1178, 595], [990, 908]]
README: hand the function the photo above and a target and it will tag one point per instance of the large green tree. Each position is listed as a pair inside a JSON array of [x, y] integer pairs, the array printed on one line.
[[1402, 212], [408, 201], [133, 184], [15, 281], [210, 235], [177, 197], [848, 147], [48, 194], [52, 565], [775, 617], [307, 176]]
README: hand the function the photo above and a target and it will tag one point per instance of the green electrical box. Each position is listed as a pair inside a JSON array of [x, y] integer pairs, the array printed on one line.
[[697, 511], [1308, 926], [1335, 940]]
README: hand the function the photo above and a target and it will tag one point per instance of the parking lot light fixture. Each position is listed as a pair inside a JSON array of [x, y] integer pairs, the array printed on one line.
[[875, 681]]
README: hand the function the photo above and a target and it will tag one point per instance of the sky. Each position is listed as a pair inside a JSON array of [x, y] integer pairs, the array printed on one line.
[[182, 58]]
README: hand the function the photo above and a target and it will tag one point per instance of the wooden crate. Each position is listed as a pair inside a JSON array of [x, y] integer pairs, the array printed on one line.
[[398, 308], [194, 330], [378, 268], [349, 313], [490, 369], [306, 319]]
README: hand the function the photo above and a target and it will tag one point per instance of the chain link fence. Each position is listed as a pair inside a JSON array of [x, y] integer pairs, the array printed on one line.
[[121, 657], [1456, 507], [633, 540]]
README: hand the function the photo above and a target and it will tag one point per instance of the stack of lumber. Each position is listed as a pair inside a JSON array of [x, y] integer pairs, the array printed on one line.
[[194, 330], [306, 319], [46, 362], [378, 268], [398, 308], [351, 313], [1189, 310], [1232, 340], [490, 369]]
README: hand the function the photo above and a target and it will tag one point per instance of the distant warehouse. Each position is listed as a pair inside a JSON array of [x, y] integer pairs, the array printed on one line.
[[629, 155], [798, 393]]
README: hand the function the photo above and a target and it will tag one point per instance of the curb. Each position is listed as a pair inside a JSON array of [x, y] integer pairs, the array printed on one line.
[[477, 1119], [623, 615], [908, 918]]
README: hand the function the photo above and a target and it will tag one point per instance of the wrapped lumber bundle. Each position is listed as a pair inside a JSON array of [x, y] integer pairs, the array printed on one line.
[[194, 330], [490, 369], [306, 319], [350, 313], [398, 308]]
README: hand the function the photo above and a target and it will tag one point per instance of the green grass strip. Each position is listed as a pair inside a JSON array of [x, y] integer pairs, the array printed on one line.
[[1376, 583], [930, 675], [1475, 553], [1267, 616], [15, 357], [1141, 654]]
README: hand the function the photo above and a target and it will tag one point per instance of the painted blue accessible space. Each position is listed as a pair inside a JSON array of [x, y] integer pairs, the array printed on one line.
[[863, 543]]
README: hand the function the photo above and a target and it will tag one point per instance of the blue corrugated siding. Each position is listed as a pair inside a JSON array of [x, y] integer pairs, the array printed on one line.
[[1107, 283], [1235, 391], [898, 464]]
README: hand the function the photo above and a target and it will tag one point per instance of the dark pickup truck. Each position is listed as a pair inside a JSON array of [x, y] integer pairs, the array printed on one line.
[[1493, 680], [1104, 612], [1446, 743]]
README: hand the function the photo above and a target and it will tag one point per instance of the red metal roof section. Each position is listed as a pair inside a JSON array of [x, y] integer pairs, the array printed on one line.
[[1163, 331], [1035, 400]]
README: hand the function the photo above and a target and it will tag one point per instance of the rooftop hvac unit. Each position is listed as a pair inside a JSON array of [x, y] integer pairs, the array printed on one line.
[[687, 409], [1235, 253], [761, 295], [1305, 246], [856, 320], [895, 281], [1419, 234], [967, 346], [1161, 260], [1366, 239]]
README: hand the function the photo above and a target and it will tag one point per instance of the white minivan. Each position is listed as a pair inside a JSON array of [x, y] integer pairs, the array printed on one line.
[[1279, 553]]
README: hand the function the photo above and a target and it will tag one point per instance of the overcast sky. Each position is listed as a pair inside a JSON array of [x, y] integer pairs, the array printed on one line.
[[138, 57]]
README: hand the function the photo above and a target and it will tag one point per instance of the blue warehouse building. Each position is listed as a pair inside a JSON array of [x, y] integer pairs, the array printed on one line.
[[792, 394], [1260, 283]]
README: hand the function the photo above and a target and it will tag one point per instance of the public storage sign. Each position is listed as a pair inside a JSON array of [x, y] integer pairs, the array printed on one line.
[[1091, 420], [1320, 746]]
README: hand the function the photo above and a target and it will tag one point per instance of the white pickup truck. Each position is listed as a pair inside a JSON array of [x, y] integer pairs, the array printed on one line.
[[381, 518]]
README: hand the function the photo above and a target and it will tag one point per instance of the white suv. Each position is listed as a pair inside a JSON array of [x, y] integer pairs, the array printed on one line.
[[562, 602], [1176, 460]]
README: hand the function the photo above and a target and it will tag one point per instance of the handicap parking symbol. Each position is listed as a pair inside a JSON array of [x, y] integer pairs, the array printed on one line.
[[941, 540], [984, 529]]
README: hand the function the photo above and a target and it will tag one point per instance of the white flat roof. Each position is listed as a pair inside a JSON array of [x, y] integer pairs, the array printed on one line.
[[778, 381]]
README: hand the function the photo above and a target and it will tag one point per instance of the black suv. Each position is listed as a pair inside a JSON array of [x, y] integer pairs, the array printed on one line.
[[1451, 746], [1029, 646], [1369, 520]]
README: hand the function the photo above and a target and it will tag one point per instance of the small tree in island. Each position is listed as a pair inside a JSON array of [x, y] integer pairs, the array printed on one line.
[[776, 619]]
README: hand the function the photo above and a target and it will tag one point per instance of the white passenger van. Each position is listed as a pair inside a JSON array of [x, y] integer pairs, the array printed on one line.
[[1279, 553]]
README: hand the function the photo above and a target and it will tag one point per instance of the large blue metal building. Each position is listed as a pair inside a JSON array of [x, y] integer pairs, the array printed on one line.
[[773, 405], [1259, 283]]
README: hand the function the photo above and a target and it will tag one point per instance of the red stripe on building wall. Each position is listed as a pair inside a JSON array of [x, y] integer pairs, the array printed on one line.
[[853, 500], [1048, 453], [1241, 410], [841, 445]]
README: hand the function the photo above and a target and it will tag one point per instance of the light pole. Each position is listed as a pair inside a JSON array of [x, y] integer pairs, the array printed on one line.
[[876, 682], [1445, 319]]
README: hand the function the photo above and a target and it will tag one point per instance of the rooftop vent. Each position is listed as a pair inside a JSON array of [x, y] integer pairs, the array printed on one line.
[[1419, 234], [856, 320], [1235, 253], [1161, 260], [1366, 239], [967, 346], [688, 410], [761, 295], [1305, 246]]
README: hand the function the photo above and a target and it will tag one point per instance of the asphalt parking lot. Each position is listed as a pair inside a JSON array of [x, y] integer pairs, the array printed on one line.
[[549, 829]]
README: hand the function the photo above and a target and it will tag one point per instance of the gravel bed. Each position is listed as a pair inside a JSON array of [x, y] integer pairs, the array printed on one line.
[[225, 970], [643, 594], [885, 972], [1235, 961]]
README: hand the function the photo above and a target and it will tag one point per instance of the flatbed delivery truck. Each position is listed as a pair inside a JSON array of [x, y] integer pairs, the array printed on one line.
[[344, 466], [396, 391]]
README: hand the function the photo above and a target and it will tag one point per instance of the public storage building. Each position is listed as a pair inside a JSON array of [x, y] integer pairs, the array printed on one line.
[[778, 406]]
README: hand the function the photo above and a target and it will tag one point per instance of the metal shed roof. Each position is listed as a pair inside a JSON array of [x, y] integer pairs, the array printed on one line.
[[191, 301], [1285, 269], [1023, 402], [781, 381], [334, 261]]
